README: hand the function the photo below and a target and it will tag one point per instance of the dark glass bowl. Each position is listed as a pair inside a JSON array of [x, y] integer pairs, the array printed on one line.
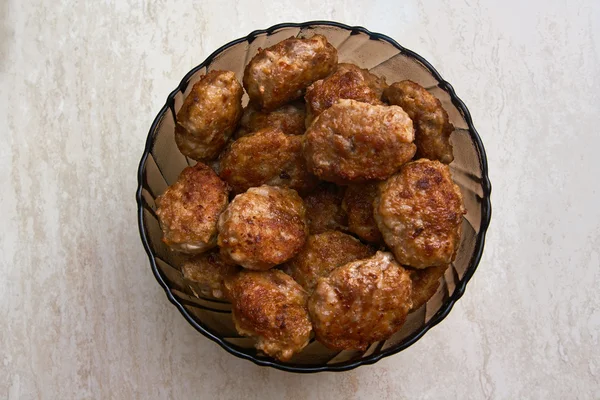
[[162, 162]]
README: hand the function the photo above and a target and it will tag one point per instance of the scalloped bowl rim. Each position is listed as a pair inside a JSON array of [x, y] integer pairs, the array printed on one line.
[[486, 207]]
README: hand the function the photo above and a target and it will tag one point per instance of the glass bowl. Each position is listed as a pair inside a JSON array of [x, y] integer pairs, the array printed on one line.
[[162, 162]]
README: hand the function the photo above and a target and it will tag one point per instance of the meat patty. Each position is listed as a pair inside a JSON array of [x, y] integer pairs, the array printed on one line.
[[347, 82], [266, 157], [322, 254], [189, 209], [354, 142], [419, 212], [425, 283], [206, 272], [376, 83], [263, 227], [270, 307], [209, 115], [361, 303], [432, 126], [358, 204], [281, 73], [289, 118], [324, 209]]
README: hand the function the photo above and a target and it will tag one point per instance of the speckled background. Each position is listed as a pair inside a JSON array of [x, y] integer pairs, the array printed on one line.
[[82, 316]]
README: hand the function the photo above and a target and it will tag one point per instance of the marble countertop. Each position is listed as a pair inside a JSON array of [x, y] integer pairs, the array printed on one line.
[[83, 317]]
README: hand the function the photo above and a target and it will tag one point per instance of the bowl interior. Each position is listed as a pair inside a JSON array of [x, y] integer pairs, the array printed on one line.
[[162, 162]]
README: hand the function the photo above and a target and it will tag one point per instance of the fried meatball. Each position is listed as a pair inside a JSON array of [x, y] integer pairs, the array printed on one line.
[[271, 307], [347, 82], [209, 115], [376, 83], [425, 283], [289, 118], [189, 209], [207, 272], [360, 303], [324, 209], [353, 142], [267, 157], [322, 254], [281, 73], [358, 204], [432, 126], [419, 212], [263, 227]]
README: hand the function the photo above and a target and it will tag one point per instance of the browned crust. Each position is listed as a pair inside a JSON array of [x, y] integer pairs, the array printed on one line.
[[376, 83], [354, 142], [289, 118], [209, 115], [263, 227], [425, 283], [266, 157], [358, 204], [324, 209], [419, 212], [271, 307], [322, 254], [432, 126], [361, 303], [189, 209], [347, 82], [281, 73], [206, 272]]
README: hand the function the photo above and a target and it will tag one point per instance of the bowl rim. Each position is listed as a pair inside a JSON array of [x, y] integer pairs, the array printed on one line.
[[486, 207]]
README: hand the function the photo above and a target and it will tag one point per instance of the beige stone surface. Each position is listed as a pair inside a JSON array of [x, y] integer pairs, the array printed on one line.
[[81, 314]]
